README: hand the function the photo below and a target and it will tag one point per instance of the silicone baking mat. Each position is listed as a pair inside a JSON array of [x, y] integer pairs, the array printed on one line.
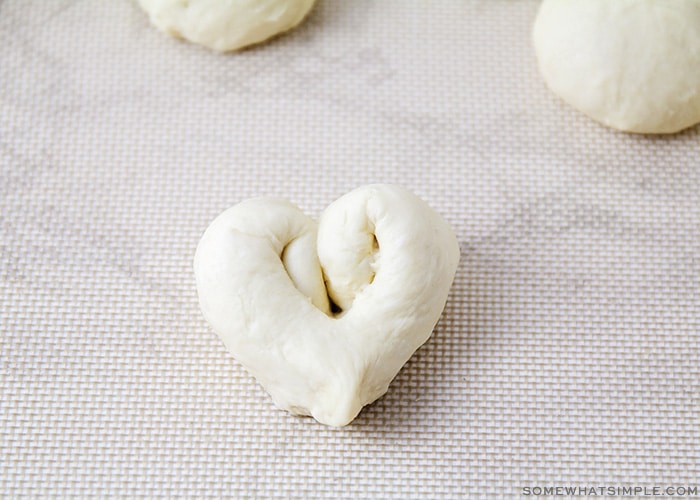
[[569, 350]]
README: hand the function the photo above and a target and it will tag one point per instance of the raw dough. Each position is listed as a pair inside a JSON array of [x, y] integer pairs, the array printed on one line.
[[225, 25], [633, 65], [389, 261]]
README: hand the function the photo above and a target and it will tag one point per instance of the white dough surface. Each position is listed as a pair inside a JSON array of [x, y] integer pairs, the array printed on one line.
[[633, 65], [225, 25], [264, 303]]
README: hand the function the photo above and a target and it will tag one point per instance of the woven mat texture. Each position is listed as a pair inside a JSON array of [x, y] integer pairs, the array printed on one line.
[[569, 349]]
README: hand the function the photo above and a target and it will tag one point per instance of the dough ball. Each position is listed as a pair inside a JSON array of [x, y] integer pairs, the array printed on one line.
[[225, 25], [633, 65]]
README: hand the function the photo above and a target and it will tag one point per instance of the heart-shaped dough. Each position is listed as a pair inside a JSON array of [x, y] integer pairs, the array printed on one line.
[[326, 349], [633, 65]]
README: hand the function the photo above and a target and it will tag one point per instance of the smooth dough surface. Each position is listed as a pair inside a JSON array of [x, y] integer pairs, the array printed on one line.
[[633, 65], [225, 25], [267, 275]]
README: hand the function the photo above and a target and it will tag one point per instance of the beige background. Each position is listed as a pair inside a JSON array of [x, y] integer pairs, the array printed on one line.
[[569, 351]]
